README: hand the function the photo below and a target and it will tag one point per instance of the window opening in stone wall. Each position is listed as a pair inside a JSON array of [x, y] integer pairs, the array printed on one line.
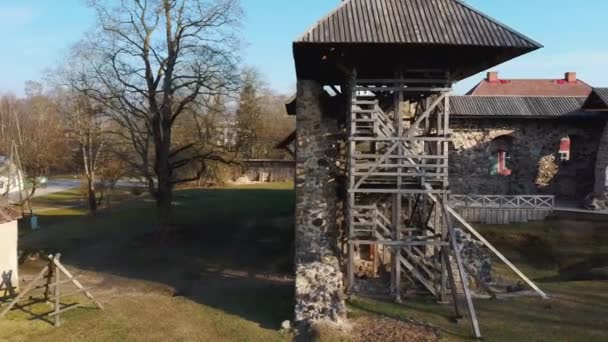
[[500, 153], [564, 149]]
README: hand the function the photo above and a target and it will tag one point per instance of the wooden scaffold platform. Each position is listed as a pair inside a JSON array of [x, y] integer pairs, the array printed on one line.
[[51, 280], [398, 186]]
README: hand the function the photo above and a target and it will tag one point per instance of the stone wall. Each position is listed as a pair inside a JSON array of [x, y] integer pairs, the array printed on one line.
[[601, 167], [598, 199], [319, 207], [533, 157]]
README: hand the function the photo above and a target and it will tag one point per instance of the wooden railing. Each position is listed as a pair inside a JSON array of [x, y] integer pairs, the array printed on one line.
[[499, 201], [497, 209]]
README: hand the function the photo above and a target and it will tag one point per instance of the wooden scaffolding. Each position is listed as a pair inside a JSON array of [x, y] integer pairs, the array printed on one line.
[[398, 186], [398, 181]]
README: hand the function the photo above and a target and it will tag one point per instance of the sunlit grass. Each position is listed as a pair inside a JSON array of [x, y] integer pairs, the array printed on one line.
[[254, 212]]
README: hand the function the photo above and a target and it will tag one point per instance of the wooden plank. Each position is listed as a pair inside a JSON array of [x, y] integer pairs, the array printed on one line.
[[416, 125], [450, 272], [57, 293], [413, 271], [399, 191], [404, 139], [25, 291], [461, 271], [381, 241], [402, 80], [78, 284], [68, 307], [403, 89], [490, 246], [497, 253]]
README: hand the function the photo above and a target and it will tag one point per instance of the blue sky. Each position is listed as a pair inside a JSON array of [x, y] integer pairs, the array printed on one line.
[[34, 35]]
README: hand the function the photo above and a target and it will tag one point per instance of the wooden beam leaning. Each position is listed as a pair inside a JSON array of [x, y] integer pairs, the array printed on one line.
[[377, 164], [497, 253], [461, 272], [425, 115], [24, 292], [504, 259], [78, 284]]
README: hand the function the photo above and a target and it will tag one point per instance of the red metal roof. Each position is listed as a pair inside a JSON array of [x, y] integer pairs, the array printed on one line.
[[530, 87]]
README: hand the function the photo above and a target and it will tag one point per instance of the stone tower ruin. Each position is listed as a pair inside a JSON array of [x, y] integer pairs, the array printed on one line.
[[373, 132]]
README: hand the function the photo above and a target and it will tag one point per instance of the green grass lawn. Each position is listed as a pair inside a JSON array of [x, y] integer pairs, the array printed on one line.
[[227, 274], [577, 310]]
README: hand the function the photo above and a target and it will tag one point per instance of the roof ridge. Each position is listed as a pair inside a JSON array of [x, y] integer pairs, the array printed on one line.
[[472, 91], [501, 34]]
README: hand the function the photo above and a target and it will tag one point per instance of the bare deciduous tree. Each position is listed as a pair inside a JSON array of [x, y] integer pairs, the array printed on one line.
[[87, 127], [261, 119], [152, 61], [34, 125]]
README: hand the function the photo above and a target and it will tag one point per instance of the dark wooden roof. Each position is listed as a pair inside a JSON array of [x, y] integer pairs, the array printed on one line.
[[602, 93], [597, 100], [525, 107], [442, 22], [378, 38]]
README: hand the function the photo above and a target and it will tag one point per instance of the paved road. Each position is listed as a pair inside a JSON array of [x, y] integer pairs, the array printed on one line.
[[57, 185], [65, 184]]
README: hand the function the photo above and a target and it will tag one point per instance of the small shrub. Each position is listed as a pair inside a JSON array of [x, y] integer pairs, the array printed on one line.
[[136, 191]]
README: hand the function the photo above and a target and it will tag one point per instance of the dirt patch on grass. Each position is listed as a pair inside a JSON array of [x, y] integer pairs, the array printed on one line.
[[370, 329], [384, 329]]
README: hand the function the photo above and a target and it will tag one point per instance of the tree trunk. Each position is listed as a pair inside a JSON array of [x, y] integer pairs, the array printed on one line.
[[164, 211], [91, 194], [164, 191]]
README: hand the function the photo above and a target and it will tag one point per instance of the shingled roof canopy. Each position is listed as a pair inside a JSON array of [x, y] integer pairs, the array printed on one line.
[[522, 107], [375, 36], [598, 100]]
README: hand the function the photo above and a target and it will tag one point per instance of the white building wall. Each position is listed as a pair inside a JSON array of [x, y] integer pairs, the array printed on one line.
[[8, 250]]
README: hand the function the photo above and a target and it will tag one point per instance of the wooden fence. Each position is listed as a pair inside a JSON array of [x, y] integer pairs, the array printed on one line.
[[268, 170], [496, 209]]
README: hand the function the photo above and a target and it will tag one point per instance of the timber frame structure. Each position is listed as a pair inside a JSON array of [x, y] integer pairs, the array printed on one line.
[[398, 181], [390, 65]]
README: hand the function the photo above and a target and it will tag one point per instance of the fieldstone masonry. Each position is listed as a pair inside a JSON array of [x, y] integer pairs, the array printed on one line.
[[532, 157], [598, 199], [319, 279]]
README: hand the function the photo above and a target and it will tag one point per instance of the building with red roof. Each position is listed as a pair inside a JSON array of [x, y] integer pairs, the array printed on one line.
[[493, 85]]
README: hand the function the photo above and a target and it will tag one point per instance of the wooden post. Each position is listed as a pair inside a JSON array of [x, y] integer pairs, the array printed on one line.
[[350, 205], [461, 272], [497, 253], [57, 292], [397, 198]]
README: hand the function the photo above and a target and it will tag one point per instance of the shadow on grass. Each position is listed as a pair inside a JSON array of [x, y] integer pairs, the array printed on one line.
[[232, 248]]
